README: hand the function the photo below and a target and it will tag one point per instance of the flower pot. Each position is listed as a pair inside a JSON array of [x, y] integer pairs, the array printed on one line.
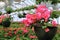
[[6, 23], [42, 35]]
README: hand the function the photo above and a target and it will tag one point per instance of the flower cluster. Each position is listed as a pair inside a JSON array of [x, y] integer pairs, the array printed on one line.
[[41, 15], [2, 17], [21, 33]]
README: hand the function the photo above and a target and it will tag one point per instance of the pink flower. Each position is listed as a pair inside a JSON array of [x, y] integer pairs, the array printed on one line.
[[54, 24], [23, 28], [39, 16], [25, 31], [31, 21], [46, 19], [43, 12], [26, 22], [47, 30], [32, 37], [2, 16], [9, 33], [15, 32], [41, 8], [28, 16], [46, 15], [31, 16]]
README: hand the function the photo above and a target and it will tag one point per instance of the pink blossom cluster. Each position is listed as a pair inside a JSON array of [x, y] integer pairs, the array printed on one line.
[[41, 12]]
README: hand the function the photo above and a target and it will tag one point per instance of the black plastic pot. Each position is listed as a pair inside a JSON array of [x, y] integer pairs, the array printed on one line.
[[6, 23], [42, 35]]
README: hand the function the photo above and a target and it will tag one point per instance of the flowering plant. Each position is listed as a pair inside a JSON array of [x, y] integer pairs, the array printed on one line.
[[41, 16], [18, 34], [4, 17], [5, 20]]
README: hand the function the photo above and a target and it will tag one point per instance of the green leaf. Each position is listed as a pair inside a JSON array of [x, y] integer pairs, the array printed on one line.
[[44, 27], [13, 38], [0, 12], [26, 38], [55, 14]]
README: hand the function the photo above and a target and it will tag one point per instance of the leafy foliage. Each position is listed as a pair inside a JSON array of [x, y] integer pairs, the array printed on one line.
[[0, 13], [38, 1], [16, 33], [6, 22], [15, 25], [55, 14], [25, 8], [57, 36], [9, 10], [21, 15], [54, 1]]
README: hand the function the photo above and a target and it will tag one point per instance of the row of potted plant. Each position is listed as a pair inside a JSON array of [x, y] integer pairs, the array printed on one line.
[[43, 23], [18, 33], [10, 10]]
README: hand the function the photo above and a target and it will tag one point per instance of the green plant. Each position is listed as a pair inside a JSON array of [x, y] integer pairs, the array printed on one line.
[[42, 17], [38, 1], [9, 10], [57, 36], [58, 1], [54, 1], [6, 22], [0, 13], [22, 34], [55, 14], [21, 15], [25, 8], [15, 25]]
